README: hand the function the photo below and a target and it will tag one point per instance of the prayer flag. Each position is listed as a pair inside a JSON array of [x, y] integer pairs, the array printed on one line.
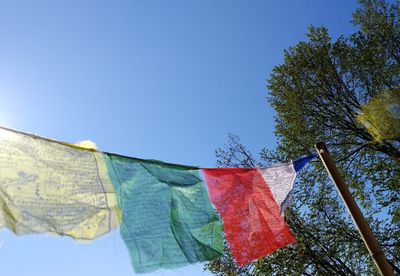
[[167, 218], [381, 116], [250, 203], [48, 186]]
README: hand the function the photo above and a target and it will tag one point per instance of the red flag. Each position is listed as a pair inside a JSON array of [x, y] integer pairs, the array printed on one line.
[[253, 224]]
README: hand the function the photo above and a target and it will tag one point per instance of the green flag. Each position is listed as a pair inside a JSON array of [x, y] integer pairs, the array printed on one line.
[[167, 218]]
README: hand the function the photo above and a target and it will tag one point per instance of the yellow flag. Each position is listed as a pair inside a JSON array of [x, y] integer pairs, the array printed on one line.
[[52, 187], [381, 116]]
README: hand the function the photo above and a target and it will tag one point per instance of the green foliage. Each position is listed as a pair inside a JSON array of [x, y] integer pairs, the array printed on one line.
[[317, 93]]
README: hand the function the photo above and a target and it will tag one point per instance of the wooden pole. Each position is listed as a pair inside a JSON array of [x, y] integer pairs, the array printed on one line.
[[355, 212]]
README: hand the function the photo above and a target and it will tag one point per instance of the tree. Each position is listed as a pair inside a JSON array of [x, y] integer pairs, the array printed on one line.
[[317, 93]]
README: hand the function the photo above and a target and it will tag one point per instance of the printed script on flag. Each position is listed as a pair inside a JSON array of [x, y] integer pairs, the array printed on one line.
[[167, 218], [55, 188]]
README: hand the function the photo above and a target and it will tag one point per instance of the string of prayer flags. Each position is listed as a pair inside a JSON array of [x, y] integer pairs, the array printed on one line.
[[165, 211]]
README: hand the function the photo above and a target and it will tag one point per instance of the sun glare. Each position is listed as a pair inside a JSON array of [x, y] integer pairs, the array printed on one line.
[[6, 118], [3, 119]]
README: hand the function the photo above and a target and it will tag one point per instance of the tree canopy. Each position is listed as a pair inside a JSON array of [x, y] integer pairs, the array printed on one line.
[[317, 93]]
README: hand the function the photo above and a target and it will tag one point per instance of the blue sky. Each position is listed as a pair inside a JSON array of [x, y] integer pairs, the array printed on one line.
[[164, 80]]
